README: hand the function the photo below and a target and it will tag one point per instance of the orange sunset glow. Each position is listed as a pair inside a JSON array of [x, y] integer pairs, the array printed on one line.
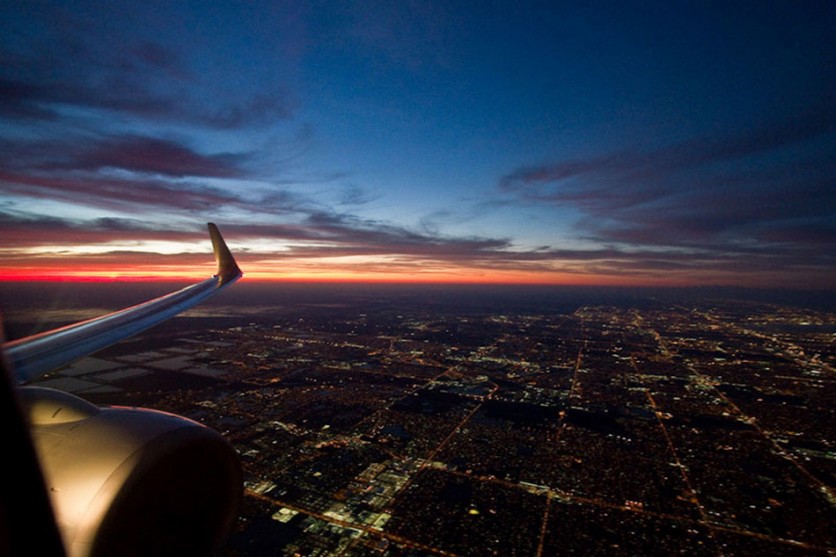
[[195, 266]]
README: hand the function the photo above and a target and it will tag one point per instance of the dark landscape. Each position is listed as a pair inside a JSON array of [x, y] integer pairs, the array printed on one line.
[[407, 420]]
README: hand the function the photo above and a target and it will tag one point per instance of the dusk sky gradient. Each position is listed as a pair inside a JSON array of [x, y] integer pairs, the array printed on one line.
[[637, 143]]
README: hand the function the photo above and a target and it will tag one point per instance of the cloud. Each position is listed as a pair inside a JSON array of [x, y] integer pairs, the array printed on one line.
[[319, 235], [17, 100], [334, 234], [118, 194], [124, 172], [130, 95], [70, 59], [335, 242], [151, 155], [739, 193], [20, 230]]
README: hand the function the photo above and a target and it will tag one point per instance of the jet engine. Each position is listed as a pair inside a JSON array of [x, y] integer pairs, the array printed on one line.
[[132, 481]]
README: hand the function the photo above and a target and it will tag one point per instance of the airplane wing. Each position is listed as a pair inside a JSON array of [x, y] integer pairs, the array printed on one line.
[[95, 481], [33, 356]]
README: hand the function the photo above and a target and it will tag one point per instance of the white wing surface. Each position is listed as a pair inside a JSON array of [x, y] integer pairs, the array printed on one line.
[[33, 356]]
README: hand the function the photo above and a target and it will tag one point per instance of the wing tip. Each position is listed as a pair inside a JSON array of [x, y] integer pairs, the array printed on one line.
[[228, 269]]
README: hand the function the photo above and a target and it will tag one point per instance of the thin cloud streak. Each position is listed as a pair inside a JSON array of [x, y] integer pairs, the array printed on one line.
[[150, 155], [117, 194], [685, 196]]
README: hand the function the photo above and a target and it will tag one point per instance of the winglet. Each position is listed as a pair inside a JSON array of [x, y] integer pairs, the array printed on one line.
[[228, 270]]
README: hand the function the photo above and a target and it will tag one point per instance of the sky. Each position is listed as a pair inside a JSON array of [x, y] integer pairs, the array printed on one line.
[[594, 143]]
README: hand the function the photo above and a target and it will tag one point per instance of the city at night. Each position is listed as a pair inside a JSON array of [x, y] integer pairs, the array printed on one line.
[[421, 420]]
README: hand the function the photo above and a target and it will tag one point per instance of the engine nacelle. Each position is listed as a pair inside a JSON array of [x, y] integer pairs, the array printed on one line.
[[131, 481]]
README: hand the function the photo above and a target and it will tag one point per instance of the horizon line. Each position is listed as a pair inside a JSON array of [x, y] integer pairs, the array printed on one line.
[[145, 279]]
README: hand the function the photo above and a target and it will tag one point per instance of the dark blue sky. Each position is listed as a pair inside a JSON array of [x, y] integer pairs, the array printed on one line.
[[648, 142]]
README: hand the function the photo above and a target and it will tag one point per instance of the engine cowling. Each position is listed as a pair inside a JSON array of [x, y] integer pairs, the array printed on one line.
[[133, 481]]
